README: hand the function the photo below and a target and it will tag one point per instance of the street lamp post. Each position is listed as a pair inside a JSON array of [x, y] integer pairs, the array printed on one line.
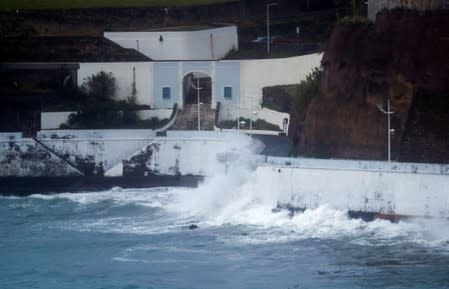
[[268, 26], [297, 36], [251, 124], [198, 88], [251, 127], [390, 131], [240, 123]]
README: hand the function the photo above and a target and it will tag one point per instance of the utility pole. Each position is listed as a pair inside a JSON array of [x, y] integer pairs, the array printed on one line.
[[297, 36], [198, 88], [198, 96], [268, 26], [390, 131]]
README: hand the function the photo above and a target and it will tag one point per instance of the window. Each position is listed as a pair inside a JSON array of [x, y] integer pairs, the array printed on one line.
[[228, 92], [166, 94]]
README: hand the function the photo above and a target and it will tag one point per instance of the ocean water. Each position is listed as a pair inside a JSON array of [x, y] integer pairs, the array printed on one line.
[[141, 238]]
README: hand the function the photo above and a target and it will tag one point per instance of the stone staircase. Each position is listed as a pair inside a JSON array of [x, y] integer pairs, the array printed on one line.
[[187, 119]]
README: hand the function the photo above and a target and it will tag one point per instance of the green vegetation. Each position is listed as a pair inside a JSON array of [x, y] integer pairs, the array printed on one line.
[[100, 86], [356, 15], [296, 98], [74, 4], [354, 20], [96, 108], [111, 120], [307, 90], [258, 124]]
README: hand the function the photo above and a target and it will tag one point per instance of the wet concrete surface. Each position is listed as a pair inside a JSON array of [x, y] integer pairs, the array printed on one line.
[[278, 146]]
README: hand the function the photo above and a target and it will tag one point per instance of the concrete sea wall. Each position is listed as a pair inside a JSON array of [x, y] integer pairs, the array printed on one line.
[[408, 189], [369, 186], [25, 157], [116, 153]]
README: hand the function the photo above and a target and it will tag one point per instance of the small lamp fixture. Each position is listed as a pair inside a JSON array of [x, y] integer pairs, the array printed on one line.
[[161, 39]]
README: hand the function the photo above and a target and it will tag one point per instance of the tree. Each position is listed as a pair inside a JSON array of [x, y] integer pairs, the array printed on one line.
[[101, 85]]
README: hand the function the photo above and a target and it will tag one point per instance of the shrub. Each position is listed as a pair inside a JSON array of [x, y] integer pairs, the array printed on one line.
[[307, 90], [101, 85], [97, 108], [354, 21]]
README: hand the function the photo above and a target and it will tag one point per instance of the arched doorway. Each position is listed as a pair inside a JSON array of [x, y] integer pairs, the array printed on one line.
[[197, 88]]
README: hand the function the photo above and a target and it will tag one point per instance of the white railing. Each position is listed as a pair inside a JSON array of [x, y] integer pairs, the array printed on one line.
[[279, 119]]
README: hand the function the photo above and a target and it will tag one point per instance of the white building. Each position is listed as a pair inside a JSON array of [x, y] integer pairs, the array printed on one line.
[[180, 58], [180, 44], [237, 83]]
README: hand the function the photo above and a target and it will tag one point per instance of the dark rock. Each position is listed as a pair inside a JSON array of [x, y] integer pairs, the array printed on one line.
[[404, 56], [193, 227]]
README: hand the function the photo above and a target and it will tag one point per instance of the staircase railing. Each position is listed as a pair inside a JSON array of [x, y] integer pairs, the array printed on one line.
[[217, 114], [59, 156], [172, 119]]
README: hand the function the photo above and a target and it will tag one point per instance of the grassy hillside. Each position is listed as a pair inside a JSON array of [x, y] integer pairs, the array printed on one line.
[[71, 4]]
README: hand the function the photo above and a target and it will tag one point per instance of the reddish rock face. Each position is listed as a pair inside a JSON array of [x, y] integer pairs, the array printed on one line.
[[404, 56]]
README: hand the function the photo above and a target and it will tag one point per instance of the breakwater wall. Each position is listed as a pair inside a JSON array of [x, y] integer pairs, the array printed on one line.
[[114, 153], [407, 189]]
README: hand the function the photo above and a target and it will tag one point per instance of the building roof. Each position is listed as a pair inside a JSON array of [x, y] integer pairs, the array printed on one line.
[[65, 49]]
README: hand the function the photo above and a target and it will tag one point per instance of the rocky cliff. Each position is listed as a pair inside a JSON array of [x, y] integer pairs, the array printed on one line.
[[404, 56]]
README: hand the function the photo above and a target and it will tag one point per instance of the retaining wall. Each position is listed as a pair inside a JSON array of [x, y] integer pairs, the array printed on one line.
[[206, 44]]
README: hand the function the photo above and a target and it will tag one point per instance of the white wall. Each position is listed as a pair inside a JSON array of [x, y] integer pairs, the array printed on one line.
[[52, 120], [390, 188], [259, 73], [271, 116], [123, 73], [254, 75], [180, 45], [104, 147], [24, 157], [194, 153], [6, 136], [157, 113]]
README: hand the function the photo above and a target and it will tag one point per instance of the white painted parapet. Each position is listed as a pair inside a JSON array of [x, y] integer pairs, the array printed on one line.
[[205, 44], [270, 116], [99, 149]]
